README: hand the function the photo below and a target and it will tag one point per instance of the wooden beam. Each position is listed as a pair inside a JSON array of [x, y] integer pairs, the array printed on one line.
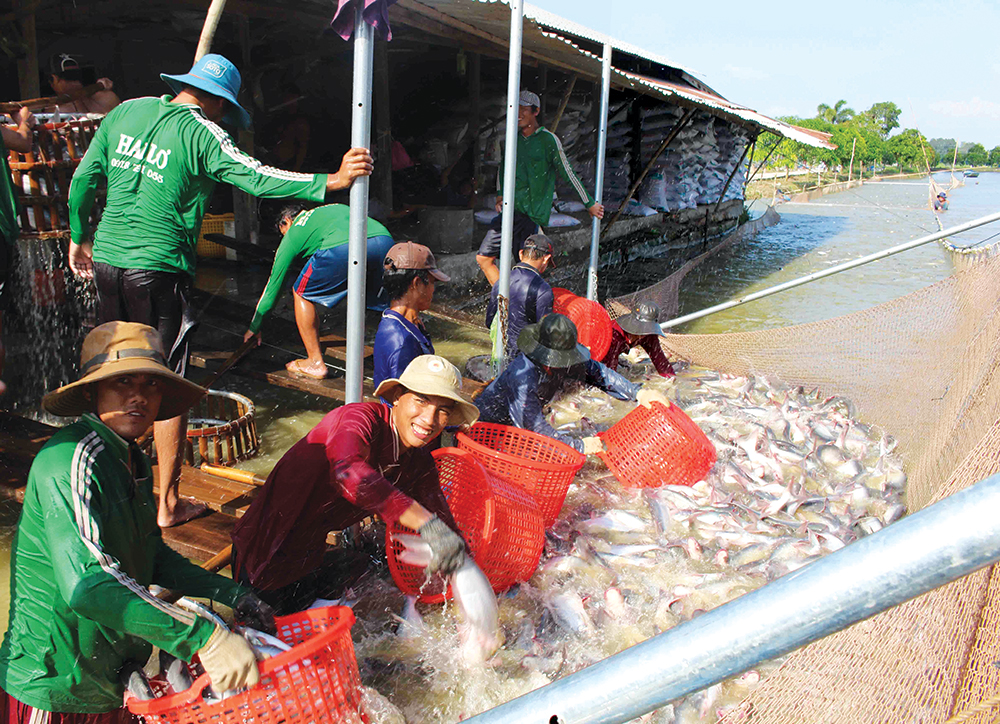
[[246, 221], [649, 166], [29, 85], [475, 112], [731, 175], [564, 102]]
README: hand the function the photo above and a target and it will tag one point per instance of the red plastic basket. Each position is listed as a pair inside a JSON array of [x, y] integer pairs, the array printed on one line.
[[536, 463], [652, 447], [500, 522], [593, 325], [317, 681]]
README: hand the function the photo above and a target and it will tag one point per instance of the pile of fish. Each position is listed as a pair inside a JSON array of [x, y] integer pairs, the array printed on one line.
[[798, 476]]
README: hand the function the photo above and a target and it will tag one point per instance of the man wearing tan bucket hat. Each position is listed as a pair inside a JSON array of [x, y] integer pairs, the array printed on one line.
[[88, 547], [362, 459]]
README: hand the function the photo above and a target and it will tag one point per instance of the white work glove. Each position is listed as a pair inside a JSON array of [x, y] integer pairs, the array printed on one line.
[[228, 660], [592, 445], [646, 398]]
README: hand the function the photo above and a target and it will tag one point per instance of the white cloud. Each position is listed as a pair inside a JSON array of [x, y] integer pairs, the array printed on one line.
[[743, 73], [975, 108]]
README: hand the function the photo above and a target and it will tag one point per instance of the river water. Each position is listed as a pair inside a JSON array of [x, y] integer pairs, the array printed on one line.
[[809, 238]]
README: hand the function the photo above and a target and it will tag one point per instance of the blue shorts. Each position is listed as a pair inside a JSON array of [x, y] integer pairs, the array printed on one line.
[[323, 279]]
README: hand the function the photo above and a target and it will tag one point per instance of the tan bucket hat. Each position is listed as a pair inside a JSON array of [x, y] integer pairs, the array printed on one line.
[[429, 374], [119, 348]]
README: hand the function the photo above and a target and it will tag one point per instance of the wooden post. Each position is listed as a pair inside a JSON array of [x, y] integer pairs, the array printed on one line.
[[649, 166], [731, 175], [208, 29], [850, 168], [543, 86], [27, 68], [475, 112], [244, 205], [761, 165], [564, 103], [383, 126]]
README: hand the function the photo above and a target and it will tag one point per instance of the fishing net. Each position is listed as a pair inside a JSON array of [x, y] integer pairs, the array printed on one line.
[[925, 368]]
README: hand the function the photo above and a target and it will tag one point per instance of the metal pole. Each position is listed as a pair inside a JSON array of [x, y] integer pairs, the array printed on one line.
[[357, 251], [935, 546], [510, 171], [602, 144], [833, 270]]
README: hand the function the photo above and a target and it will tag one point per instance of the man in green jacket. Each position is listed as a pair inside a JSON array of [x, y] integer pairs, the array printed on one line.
[[88, 547], [540, 157], [162, 158], [319, 235]]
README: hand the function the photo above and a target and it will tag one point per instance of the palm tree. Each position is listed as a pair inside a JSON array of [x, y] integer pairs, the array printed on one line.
[[839, 113]]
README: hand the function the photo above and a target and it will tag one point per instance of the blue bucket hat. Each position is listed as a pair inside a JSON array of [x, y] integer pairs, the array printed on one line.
[[216, 75]]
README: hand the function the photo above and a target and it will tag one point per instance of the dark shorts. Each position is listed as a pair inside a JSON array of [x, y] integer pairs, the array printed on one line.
[[13, 711], [323, 279], [159, 299], [6, 275], [523, 228]]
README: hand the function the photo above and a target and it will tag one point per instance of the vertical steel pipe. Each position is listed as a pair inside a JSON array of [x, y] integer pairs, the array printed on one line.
[[930, 548], [602, 145], [510, 171], [357, 251]]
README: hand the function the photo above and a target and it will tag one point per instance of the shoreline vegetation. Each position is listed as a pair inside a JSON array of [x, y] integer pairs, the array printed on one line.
[[787, 186]]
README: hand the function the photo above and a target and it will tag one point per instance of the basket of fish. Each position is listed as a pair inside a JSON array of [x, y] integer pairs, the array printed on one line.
[[655, 446], [308, 673], [593, 324], [541, 465], [501, 523]]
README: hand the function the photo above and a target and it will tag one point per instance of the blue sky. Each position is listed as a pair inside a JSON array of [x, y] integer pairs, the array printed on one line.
[[937, 61]]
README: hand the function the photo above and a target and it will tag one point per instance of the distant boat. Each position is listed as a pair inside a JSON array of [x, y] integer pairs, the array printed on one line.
[[971, 174]]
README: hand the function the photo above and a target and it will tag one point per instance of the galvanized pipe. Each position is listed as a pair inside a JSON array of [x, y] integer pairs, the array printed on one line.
[[509, 175], [833, 270], [602, 145], [930, 548], [357, 250]]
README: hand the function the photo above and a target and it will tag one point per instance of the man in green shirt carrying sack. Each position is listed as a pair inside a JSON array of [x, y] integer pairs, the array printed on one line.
[[162, 158], [88, 548], [321, 236], [540, 157]]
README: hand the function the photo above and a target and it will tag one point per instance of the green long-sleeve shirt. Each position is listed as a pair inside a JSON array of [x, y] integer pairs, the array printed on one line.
[[162, 161], [8, 200], [540, 157], [321, 228], [86, 550]]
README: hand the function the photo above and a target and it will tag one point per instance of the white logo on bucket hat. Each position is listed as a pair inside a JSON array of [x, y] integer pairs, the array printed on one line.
[[214, 69]]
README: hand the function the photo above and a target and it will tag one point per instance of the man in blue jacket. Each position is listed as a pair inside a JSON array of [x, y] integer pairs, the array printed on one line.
[[409, 275], [550, 357], [530, 294]]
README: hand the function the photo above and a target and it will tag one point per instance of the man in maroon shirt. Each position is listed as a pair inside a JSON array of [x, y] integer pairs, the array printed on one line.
[[640, 328], [362, 459]]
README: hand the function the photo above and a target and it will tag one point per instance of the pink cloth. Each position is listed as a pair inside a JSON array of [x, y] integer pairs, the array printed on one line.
[[376, 13]]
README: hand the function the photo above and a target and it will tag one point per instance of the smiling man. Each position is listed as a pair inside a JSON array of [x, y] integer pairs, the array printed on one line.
[[362, 459], [88, 548]]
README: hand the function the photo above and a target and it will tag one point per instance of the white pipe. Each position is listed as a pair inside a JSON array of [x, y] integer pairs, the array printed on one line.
[[208, 29], [602, 144], [357, 253], [833, 270], [510, 172], [927, 549]]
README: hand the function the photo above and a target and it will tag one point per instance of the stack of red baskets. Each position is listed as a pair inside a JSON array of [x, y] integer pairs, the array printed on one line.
[[659, 446], [536, 463], [317, 681], [500, 522], [593, 325]]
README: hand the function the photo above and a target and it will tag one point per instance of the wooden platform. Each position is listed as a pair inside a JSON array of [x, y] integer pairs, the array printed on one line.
[[336, 346]]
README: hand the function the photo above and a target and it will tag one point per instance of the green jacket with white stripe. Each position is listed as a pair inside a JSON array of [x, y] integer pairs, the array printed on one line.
[[540, 157], [87, 548], [162, 161]]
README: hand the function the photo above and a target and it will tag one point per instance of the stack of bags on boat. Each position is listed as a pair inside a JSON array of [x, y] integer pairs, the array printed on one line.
[[618, 158], [578, 135]]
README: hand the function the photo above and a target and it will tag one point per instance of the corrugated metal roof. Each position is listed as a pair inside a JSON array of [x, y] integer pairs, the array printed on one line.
[[545, 38]]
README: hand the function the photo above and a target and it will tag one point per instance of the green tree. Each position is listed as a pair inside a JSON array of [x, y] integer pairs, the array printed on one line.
[[945, 148], [837, 113], [905, 149], [885, 115], [995, 156], [976, 155]]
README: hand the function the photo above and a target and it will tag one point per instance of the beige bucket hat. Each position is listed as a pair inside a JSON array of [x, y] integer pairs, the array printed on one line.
[[120, 348], [430, 374]]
